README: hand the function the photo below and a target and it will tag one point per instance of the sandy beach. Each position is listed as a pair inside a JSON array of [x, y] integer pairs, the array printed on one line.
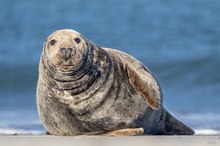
[[42, 140]]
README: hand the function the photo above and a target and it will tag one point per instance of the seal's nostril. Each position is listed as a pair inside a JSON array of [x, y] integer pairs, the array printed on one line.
[[63, 50], [69, 50], [66, 52]]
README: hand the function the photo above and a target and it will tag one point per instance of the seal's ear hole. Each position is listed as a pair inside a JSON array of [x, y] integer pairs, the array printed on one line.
[[53, 42], [77, 40]]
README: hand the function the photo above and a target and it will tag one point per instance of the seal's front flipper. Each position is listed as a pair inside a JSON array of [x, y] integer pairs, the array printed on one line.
[[125, 132], [172, 126], [141, 79]]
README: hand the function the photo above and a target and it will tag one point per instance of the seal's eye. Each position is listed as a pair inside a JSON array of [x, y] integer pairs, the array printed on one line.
[[53, 42], [77, 40]]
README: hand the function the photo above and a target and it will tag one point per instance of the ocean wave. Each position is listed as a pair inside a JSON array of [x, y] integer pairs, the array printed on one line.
[[206, 132], [12, 131]]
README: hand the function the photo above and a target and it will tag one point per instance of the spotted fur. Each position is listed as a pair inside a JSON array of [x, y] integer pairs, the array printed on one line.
[[98, 91]]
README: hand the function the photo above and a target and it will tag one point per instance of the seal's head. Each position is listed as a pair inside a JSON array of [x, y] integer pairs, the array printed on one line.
[[66, 50]]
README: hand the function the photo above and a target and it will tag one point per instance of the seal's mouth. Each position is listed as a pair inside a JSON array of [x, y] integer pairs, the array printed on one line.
[[67, 65], [69, 61]]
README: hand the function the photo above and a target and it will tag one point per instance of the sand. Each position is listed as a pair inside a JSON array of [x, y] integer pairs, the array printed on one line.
[[43, 140]]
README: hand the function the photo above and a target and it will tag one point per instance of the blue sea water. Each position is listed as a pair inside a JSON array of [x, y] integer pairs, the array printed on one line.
[[179, 41]]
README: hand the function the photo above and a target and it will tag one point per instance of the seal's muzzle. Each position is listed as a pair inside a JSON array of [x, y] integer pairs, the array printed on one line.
[[66, 53]]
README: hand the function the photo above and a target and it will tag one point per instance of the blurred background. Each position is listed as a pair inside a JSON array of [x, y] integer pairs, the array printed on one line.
[[179, 41]]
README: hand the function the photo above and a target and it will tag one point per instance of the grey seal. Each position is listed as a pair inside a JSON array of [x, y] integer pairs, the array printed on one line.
[[84, 89]]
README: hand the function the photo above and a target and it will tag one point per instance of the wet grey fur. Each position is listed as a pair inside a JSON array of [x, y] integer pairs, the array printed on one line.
[[99, 98]]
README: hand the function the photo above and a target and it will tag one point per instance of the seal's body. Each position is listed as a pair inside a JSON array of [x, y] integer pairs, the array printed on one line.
[[84, 89]]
